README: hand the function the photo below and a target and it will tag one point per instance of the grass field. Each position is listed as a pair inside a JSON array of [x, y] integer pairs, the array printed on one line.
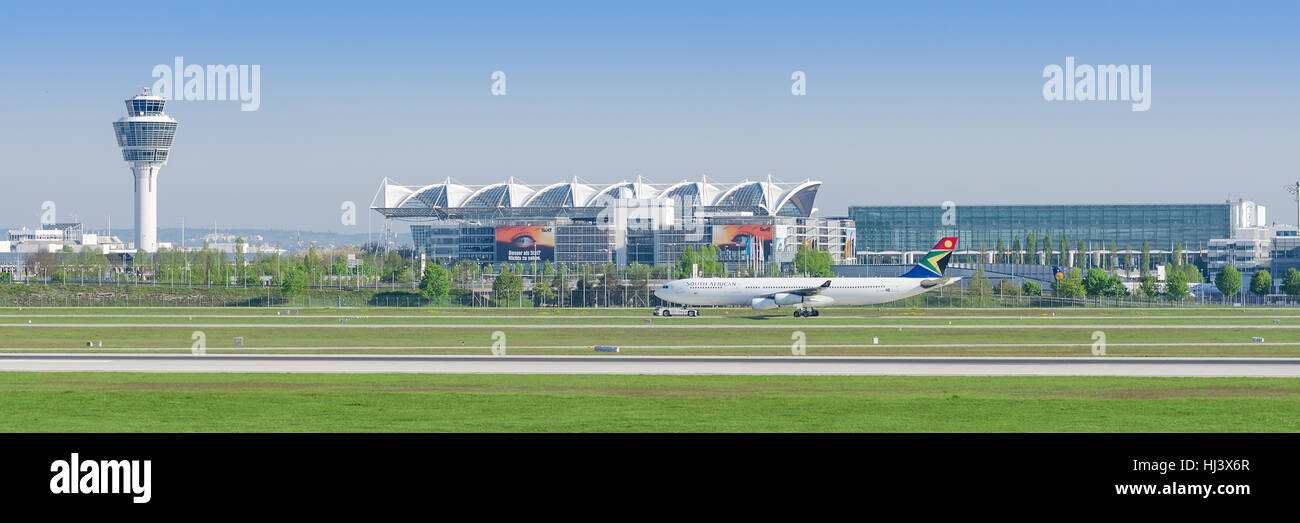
[[99, 402], [840, 331], [116, 402]]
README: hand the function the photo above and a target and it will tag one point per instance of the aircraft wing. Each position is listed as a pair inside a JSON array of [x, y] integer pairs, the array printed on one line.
[[809, 291]]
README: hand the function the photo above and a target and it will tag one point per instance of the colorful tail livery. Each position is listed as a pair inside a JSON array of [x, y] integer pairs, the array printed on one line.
[[933, 264]]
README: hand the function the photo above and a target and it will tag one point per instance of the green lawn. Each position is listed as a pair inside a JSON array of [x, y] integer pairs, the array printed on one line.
[[714, 339], [841, 331], [113, 402]]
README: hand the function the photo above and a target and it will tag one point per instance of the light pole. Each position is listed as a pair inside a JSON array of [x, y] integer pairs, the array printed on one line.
[[1294, 189]]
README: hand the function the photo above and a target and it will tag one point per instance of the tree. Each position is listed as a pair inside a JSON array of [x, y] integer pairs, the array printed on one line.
[[1096, 283], [507, 288], [1261, 284], [1112, 261], [1146, 259], [436, 283], [1048, 258], [1176, 286], [1291, 283], [239, 257], [1031, 246], [705, 258], [561, 285], [639, 279], [542, 289], [1148, 287], [295, 281], [1007, 287], [1071, 286], [685, 262], [813, 262], [395, 269], [1228, 281], [980, 284], [1000, 256], [1032, 288], [1116, 288], [6, 277], [1065, 252]]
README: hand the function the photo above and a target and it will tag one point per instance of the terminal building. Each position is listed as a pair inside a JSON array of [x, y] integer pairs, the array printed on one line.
[[752, 223], [57, 238], [886, 231]]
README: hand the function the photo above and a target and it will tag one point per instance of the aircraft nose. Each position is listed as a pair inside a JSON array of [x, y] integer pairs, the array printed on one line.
[[662, 292]]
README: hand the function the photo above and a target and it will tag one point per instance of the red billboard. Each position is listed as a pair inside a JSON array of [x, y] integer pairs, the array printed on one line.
[[525, 243], [743, 242]]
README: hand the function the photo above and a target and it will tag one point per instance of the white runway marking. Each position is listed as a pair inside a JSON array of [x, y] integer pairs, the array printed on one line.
[[683, 347]]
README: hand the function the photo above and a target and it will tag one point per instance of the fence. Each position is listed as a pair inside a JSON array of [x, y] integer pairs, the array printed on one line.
[[54, 295]]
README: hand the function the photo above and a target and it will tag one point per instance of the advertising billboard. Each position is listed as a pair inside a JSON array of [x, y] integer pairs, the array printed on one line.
[[742, 242], [525, 243]]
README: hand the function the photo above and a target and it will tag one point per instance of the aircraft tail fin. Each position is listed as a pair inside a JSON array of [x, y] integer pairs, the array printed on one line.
[[934, 263]]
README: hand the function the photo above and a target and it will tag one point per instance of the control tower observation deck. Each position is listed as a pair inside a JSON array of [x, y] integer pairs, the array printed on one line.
[[145, 136]]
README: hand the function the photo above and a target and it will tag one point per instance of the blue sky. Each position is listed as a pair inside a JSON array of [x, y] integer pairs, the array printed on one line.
[[905, 103]]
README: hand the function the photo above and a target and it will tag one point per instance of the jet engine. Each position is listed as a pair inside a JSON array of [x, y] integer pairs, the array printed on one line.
[[762, 304], [786, 298]]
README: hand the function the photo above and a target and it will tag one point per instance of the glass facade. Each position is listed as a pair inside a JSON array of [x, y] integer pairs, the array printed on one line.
[[489, 197], [915, 228], [584, 244], [641, 247], [1284, 257], [144, 134], [437, 241], [749, 195], [145, 106], [144, 141], [560, 196], [477, 243]]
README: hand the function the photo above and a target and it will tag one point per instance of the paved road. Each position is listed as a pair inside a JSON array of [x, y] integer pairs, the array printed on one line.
[[706, 314], [93, 350], [612, 364]]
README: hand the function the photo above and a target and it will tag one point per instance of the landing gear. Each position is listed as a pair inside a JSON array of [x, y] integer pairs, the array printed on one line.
[[800, 313]]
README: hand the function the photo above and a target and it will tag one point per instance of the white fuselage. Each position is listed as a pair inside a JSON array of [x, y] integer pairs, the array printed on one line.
[[745, 291]]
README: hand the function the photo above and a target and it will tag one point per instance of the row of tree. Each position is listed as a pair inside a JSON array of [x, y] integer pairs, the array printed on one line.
[[1097, 283], [1052, 253]]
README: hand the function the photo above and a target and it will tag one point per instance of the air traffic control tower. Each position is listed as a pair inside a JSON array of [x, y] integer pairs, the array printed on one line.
[[145, 136]]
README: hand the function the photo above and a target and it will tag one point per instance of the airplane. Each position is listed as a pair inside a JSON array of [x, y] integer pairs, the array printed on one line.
[[807, 293]]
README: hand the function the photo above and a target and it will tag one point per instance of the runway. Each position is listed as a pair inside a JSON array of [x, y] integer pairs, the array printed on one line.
[[611, 364], [604, 326]]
